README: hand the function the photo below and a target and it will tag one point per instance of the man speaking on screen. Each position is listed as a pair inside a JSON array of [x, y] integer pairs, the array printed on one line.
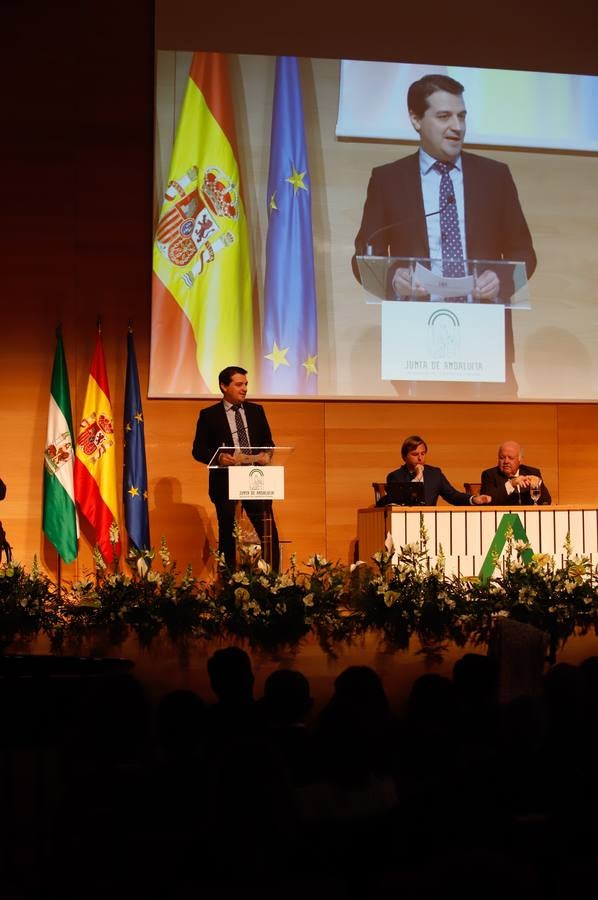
[[445, 203]]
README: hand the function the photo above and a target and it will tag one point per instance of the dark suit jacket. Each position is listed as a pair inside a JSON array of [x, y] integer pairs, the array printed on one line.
[[494, 483], [435, 485], [495, 227], [213, 431]]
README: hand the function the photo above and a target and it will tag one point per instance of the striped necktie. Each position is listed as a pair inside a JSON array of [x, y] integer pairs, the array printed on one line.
[[453, 263], [240, 426]]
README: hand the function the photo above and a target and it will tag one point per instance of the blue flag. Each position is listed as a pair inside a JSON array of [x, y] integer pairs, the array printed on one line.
[[290, 333], [135, 476]]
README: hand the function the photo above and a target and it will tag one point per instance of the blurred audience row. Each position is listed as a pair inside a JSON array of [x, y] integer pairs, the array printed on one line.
[[254, 793]]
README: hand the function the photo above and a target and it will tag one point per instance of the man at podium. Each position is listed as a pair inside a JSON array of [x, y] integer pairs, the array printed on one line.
[[445, 204], [234, 422], [442, 202]]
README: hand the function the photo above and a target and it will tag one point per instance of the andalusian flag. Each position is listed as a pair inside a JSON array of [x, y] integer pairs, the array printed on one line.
[[60, 515], [290, 333], [202, 315], [135, 477], [95, 461]]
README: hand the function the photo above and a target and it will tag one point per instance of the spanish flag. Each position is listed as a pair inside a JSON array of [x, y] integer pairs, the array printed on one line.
[[202, 311], [95, 460]]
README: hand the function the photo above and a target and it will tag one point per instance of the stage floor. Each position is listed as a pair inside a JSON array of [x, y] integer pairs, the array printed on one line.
[[163, 666]]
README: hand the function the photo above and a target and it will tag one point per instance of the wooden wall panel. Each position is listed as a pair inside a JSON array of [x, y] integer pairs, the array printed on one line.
[[340, 448], [577, 448], [76, 235], [522, 36], [302, 516]]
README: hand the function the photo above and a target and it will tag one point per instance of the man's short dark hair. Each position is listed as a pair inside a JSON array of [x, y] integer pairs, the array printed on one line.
[[226, 376], [419, 91], [412, 443], [230, 673]]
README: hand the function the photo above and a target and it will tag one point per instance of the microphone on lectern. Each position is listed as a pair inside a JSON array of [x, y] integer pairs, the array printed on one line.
[[368, 246]]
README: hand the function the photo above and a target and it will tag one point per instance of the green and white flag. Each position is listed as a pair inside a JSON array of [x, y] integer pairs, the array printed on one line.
[[60, 522]]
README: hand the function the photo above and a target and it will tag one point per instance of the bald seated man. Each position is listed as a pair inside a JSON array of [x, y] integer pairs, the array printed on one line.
[[510, 480]]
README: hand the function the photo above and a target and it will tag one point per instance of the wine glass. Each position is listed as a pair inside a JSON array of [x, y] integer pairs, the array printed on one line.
[[535, 490]]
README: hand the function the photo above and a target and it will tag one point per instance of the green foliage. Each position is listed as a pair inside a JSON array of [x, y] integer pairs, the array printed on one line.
[[401, 594], [26, 600]]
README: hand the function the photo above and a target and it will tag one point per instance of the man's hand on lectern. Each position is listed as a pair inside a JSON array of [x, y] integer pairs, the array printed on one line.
[[404, 288], [486, 286]]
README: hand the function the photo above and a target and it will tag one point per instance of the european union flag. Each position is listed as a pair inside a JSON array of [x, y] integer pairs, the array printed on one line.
[[135, 476], [290, 333]]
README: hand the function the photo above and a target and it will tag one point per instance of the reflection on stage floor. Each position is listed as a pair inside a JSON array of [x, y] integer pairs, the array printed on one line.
[[164, 666]]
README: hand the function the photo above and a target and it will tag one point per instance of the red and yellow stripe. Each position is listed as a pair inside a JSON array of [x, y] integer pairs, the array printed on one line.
[[95, 460], [199, 329]]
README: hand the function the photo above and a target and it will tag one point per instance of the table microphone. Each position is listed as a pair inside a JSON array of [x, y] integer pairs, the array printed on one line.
[[368, 247]]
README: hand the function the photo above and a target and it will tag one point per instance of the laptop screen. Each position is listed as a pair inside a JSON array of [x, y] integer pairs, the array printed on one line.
[[406, 493]]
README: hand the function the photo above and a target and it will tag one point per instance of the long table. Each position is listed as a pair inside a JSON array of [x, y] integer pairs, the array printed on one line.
[[465, 533]]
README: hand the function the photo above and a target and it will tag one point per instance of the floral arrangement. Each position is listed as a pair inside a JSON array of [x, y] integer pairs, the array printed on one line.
[[398, 593], [410, 595]]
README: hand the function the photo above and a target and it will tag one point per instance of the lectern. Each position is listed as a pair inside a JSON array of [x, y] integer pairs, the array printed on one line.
[[437, 328], [257, 474]]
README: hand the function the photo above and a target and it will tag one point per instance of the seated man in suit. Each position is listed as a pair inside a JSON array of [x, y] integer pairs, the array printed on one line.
[[235, 422], [510, 481], [436, 485]]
